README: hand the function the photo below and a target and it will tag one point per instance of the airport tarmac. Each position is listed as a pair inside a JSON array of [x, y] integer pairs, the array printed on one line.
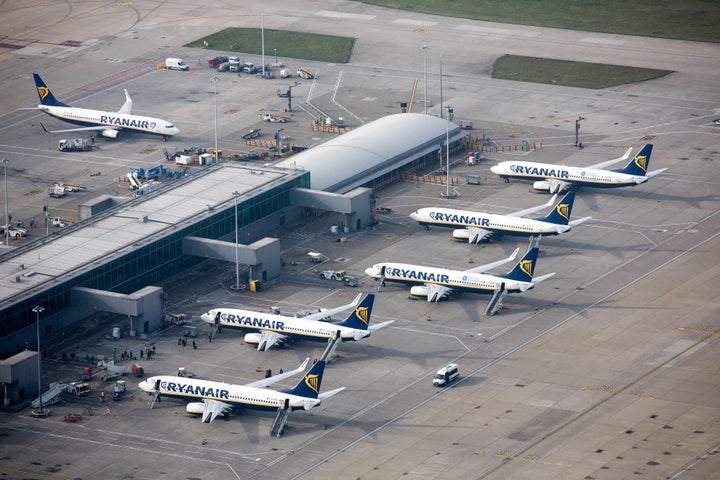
[[608, 370]]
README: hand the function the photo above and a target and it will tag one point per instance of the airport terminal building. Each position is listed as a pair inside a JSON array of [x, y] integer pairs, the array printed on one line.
[[114, 258]]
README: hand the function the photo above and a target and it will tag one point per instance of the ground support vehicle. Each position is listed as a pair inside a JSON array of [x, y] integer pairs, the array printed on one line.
[[75, 145]]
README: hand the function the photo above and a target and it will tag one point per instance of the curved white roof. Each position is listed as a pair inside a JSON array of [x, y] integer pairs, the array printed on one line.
[[351, 159]]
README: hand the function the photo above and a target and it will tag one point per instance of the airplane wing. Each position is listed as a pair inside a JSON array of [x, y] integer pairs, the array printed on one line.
[[79, 129], [556, 186], [484, 268], [266, 382], [435, 292], [127, 106], [607, 163], [269, 339], [213, 408], [477, 235], [332, 311], [530, 210]]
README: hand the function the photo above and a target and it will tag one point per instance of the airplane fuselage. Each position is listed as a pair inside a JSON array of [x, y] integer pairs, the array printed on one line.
[[589, 177], [238, 396], [454, 279], [499, 224], [291, 327], [113, 121]]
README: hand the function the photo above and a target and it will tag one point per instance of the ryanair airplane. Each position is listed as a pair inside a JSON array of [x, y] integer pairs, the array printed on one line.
[[437, 283], [273, 330], [558, 178], [210, 399], [107, 124], [480, 226]]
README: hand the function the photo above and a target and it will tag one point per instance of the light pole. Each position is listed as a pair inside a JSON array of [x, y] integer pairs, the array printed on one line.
[[40, 410], [236, 194], [425, 49], [441, 92], [5, 161], [447, 151], [262, 29], [577, 129], [214, 79]]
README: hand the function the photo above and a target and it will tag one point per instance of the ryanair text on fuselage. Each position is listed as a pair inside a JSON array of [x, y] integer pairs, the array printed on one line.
[[126, 122], [411, 274], [197, 390], [252, 322], [460, 219], [539, 171]]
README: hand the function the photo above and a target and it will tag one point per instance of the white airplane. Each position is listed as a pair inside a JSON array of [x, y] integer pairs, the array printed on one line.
[[479, 226], [219, 398], [558, 178], [278, 329], [436, 283], [108, 124]]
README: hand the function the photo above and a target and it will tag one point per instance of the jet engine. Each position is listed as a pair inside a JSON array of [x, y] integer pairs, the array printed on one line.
[[110, 133], [253, 338], [461, 234], [543, 185], [196, 408], [419, 291]]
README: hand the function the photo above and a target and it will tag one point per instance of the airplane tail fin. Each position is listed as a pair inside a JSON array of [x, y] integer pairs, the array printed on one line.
[[639, 163], [360, 317], [309, 385], [523, 271], [561, 213], [46, 96]]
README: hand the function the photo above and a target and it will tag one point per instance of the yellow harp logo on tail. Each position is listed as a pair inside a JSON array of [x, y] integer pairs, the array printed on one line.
[[526, 266], [362, 314], [312, 381], [562, 210], [641, 162], [43, 91]]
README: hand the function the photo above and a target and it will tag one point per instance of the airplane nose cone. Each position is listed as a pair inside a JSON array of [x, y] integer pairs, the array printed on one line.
[[205, 317], [371, 272], [144, 385], [496, 169], [415, 216]]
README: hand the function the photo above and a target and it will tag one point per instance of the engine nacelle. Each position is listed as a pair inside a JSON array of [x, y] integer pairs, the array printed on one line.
[[110, 133], [419, 291], [196, 408], [542, 185], [461, 234], [253, 338]]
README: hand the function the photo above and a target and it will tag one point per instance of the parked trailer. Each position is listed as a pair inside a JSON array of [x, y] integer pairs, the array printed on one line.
[[75, 145]]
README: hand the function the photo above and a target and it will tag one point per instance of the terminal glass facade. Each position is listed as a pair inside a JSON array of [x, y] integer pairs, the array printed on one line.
[[150, 264]]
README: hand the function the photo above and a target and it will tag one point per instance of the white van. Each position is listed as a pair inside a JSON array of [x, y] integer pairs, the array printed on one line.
[[446, 375], [176, 64]]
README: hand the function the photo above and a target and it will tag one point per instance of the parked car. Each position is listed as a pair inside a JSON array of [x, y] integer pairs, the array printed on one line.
[[16, 232]]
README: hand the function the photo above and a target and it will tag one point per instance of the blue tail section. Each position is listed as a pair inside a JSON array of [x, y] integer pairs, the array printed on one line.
[[561, 213], [523, 271], [360, 317], [639, 163], [309, 385], [46, 96]]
